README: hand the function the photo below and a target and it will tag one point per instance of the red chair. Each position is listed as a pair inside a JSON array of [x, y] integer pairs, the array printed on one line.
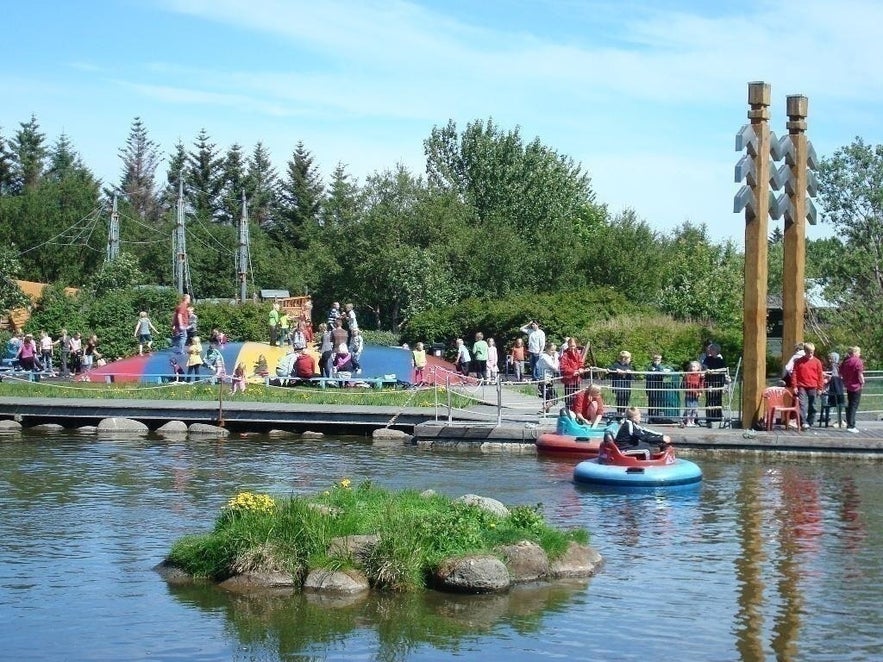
[[779, 401]]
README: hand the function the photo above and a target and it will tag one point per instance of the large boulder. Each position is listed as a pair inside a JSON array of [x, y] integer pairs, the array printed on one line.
[[472, 574], [353, 547], [259, 581], [389, 436], [577, 561], [486, 503], [116, 425], [173, 429], [9, 427], [526, 561], [206, 430], [336, 581]]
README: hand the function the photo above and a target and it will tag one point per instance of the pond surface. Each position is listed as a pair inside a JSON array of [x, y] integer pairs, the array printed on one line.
[[767, 559]]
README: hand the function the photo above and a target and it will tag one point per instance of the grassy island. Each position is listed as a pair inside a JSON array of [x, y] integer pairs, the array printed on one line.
[[415, 532]]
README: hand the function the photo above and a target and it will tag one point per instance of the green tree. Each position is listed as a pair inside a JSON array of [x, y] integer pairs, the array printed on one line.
[[262, 187], [6, 167], [11, 295], [234, 184], [140, 159], [301, 199], [204, 178], [701, 281], [176, 174], [30, 152], [121, 273], [851, 195], [538, 205]]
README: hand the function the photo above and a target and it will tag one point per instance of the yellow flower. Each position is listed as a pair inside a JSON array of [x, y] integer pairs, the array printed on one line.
[[248, 501], [345, 483]]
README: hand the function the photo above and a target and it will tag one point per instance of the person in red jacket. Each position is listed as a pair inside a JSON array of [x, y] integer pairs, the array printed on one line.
[[571, 367], [808, 379]]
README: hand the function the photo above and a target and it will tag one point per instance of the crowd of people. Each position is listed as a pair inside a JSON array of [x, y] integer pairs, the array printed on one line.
[[818, 387]]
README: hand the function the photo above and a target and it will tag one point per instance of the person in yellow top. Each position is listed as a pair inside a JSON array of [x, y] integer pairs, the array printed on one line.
[[284, 327], [194, 358], [418, 360]]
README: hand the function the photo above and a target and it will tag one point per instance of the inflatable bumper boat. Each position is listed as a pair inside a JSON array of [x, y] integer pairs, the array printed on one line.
[[571, 438], [638, 468]]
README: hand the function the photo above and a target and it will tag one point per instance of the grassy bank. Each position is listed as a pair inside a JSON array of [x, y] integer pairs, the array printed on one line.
[[208, 392], [254, 533]]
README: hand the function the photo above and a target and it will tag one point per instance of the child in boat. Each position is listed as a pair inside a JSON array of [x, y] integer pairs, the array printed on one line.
[[631, 435], [693, 385]]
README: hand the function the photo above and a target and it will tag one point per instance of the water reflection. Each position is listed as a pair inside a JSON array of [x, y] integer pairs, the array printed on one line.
[[292, 624], [769, 558]]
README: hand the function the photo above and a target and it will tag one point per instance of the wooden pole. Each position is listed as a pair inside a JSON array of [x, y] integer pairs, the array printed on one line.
[[756, 251], [794, 259]]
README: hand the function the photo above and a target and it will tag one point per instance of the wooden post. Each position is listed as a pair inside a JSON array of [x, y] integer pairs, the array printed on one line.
[[794, 262], [756, 251]]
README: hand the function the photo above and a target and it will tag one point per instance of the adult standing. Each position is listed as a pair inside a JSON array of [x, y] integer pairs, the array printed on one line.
[[621, 376], [536, 344], [339, 336], [351, 323], [479, 356], [715, 382], [326, 350], [27, 354], [852, 370], [571, 367], [273, 323], [64, 350], [548, 366], [808, 379], [180, 322], [76, 353]]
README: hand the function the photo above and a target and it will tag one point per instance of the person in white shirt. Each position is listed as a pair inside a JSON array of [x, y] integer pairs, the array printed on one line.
[[536, 343], [546, 371]]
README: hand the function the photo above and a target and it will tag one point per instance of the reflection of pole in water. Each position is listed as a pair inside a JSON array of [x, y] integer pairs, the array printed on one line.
[[799, 515], [749, 570]]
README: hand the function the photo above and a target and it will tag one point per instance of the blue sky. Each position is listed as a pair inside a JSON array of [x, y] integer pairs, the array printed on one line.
[[646, 95]]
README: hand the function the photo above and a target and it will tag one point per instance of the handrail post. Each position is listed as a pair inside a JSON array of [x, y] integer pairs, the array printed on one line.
[[499, 401], [448, 388]]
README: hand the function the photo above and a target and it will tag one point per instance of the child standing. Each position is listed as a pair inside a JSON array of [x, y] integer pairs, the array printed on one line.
[[693, 386], [516, 358], [194, 358], [143, 329], [493, 360], [418, 360], [239, 378]]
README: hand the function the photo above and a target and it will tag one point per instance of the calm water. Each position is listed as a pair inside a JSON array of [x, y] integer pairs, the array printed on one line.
[[766, 560]]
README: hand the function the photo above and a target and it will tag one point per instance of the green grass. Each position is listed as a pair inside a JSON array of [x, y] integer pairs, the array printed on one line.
[[207, 392], [416, 533]]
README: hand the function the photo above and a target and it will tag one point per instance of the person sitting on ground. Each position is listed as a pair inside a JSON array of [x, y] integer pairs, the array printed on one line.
[[261, 369], [343, 360], [285, 366], [631, 435], [304, 365]]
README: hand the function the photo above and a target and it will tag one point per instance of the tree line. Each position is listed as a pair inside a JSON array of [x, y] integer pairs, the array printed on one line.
[[494, 216]]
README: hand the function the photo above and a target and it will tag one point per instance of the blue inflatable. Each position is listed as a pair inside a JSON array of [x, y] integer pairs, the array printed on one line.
[[616, 468]]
